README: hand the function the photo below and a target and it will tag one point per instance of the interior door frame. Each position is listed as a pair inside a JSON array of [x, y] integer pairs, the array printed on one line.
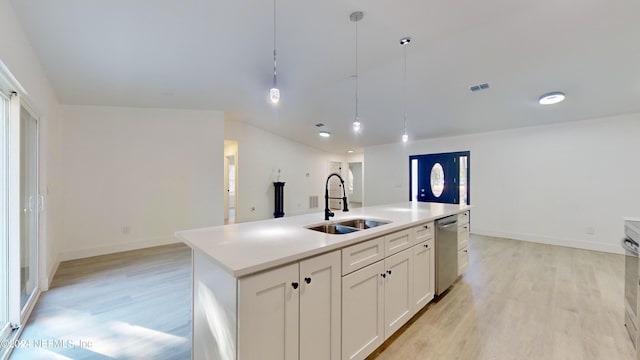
[[231, 149]]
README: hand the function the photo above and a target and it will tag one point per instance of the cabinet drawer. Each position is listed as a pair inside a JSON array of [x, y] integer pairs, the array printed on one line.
[[397, 242], [463, 236], [463, 218], [360, 255], [422, 233], [463, 260]]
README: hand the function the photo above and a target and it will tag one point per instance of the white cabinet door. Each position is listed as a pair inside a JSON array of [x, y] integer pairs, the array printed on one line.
[[268, 314], [463, 245], [463, 236], [463, 260], [320, 304], [398, 291], [362, 311], [423, 274]]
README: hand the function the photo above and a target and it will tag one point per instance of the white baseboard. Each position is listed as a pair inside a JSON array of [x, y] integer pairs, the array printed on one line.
[[114, 248], [47, 279], [572, 243]]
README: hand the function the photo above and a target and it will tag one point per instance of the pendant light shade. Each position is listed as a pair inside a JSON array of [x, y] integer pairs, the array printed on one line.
[[274, 92], [404, 42], [355, 17]]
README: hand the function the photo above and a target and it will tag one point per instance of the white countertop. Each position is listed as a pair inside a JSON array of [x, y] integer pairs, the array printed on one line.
[[246, 248]]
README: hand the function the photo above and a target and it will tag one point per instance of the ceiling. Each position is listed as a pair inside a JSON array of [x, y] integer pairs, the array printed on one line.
[[217, 54]]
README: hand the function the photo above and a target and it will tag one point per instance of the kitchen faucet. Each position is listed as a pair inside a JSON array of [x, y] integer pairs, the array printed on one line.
[[328, 213]]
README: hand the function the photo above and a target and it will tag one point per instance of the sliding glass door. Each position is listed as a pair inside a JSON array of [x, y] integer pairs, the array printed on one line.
[[20, 204], [30, 202], [4, 238]]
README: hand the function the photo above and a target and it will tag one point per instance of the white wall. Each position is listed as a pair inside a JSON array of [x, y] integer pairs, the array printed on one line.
[[546, 184], [260, 155], [154, 171], [21, 60]]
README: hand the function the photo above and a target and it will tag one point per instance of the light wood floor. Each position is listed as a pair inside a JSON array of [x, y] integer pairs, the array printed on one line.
[[522, 300], [131, 305], [518, 300]]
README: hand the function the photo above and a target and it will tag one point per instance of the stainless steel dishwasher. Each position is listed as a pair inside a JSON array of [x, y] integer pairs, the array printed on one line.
[[446, 253]]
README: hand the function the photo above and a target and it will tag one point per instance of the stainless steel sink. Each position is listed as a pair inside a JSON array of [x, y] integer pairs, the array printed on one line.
[[363, 223], [347, 226], [333, 229]]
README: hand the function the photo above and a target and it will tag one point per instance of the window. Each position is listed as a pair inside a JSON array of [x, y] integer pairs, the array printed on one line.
[[437, 180]]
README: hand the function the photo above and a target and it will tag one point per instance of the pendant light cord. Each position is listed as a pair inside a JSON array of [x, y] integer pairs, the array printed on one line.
[[274, 43], [404, 97], [357, 76]]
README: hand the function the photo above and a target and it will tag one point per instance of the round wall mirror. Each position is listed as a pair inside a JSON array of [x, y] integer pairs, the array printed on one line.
[[437, 180]]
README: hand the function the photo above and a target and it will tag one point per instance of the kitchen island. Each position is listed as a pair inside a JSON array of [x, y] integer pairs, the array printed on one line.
[[274, 289]]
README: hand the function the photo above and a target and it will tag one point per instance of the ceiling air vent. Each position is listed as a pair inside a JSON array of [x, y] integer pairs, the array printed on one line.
[[479, 87]]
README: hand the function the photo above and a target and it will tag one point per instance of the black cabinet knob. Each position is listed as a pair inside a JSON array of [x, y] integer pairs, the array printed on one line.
[[383, 275], [307, 280], [426, 245], [294, 285], [389, 272]]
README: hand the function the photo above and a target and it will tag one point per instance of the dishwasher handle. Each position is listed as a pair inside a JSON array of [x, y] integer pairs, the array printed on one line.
[[448, 225]]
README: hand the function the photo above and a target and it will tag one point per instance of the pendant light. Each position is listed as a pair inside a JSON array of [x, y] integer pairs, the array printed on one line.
[[274, 92], [355, 17], [404, 42]]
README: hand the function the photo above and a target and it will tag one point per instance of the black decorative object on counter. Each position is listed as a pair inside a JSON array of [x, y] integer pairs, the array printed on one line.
[[279, 191]]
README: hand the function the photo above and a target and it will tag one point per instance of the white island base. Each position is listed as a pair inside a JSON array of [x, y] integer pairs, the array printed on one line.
[[275, 290]]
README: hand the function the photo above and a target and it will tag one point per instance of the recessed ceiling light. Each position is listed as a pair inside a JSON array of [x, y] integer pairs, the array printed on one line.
[[350, 151], [551, 98], [324, 133]]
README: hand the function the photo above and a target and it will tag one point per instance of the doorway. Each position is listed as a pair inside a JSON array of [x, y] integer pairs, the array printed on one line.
[[355, 185], [230, 181], [443, 177]]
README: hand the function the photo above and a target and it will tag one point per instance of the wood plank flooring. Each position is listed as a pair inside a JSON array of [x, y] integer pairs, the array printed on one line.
[[518, 300], [522, 300], [131, 305]]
